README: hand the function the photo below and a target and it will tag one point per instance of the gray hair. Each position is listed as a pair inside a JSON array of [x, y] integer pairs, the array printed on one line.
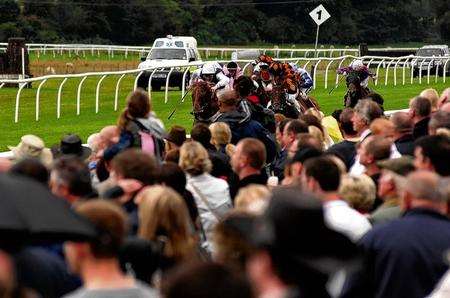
[[424, 185], [440, 119], [368, 110]]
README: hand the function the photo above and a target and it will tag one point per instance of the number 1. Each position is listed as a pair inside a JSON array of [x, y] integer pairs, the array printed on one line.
[[319, 14]]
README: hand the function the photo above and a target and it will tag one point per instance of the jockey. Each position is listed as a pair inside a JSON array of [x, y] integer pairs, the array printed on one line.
[[363, 72], [262, 76], [232, 71], [306, 82], [211, 72]]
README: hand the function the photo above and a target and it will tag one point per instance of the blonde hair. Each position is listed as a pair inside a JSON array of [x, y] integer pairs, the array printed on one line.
[[220, 134], [163, 214], [252, 198], [316, 113], [432, 95], [194, 158], [359, 191], [317, 134]]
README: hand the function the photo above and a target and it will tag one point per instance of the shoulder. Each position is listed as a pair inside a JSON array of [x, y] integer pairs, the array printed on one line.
[[146, 291], [79, 293]]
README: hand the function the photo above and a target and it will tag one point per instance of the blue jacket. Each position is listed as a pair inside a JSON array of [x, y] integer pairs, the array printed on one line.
[[404, 258]]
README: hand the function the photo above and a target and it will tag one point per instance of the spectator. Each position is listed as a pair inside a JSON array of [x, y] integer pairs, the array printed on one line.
[[211, 194], [382, 127], [205, 280], [31, 146], [172, 156], [433, 96], [420, 111], [220, 136], [359, 192], [107, 137], [252, 198], [139, 128], [403, 138], [375, 97], [279, 131], [445, 107], [445, 98], [164, 218], [247, 162], [97, 261], [220, 161], [410, 248], [283, 263], [440, 119], [32, 168], [365, 112], [389, 188], [175, 138], [134, 164], [318, 135], [432, 153], [321, 176], [71, 144], [70, 179], [294, 168], [172, 175]]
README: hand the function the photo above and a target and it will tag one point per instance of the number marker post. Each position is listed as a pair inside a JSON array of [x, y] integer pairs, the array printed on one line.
[[319, 15]]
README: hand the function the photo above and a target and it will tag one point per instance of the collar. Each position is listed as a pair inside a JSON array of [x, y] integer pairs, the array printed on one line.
[[335, 203], [364, 134], [425, 212]]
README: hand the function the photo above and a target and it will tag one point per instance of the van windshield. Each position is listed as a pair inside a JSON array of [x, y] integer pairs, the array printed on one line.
[[168, 54], [429, 52]]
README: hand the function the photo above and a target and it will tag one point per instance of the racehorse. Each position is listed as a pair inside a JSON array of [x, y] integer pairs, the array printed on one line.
[[204, 102]]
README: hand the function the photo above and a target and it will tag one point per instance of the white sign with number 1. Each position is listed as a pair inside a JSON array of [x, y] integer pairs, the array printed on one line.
[[319, 14]]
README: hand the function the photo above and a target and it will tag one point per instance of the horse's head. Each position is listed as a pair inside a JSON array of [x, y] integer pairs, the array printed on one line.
[[204, 101]]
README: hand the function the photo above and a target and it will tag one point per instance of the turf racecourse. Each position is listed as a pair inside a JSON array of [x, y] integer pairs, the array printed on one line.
[[51, 129]]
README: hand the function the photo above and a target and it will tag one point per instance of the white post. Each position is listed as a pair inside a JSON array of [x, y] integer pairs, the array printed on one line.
[[23, 63], [317, 40]]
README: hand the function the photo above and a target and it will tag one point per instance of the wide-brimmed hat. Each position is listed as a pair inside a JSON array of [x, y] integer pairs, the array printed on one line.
[[176, 135], [71, 145], [32, 146], [293, 228]]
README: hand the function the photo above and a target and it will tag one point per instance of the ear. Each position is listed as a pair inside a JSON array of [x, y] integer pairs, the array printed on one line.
[[406, 201]]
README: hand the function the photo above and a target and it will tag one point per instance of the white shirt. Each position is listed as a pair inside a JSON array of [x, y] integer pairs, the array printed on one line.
[[357, 168], [340, 217], [442, 289]]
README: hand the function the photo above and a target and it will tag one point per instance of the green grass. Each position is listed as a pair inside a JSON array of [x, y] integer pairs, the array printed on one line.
[[51, 129]]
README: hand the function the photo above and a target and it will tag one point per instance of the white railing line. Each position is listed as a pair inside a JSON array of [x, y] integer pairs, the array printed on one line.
[[79, 94], [58, 100], [38, 92], [116, 96], [166, 95], [97, 93]]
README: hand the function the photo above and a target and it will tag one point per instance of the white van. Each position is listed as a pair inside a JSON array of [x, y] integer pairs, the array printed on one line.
[[165, 52]]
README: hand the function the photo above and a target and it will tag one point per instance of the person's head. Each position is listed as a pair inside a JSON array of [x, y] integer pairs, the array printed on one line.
[[175, 138], [311, 120], [440, 119], [291, 129], [31, 168], [419, 108], [403, 124], [134, 164], [250, 154], [205, 280], [445, 107], [321, 175], [111, 222], [70, 178], [228, 101], [163, 216], [375, 97], [299, 158], [172, 156], [373, 149], [252, 198], [230, 244], [445, 98], [194, 159], [421, 190], [280, 129], [432, 153], [359, 191], [346, 123], [318, 135], [108, 136], [433, 96], [365, 112], [382, 127], [232, 68], [306, 140], [138, 106], [202, 134], [220, 134], [391, 172], [244, 86]]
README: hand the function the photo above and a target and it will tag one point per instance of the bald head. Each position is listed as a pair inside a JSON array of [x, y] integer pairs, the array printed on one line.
[[445, 98], [423, 185]]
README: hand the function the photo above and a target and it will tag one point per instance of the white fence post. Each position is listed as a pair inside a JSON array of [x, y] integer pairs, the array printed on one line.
[[38, 92]]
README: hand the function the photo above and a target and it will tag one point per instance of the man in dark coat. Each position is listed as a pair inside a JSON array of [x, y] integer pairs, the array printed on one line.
[[405, 257], [420, 111], [403, 138]]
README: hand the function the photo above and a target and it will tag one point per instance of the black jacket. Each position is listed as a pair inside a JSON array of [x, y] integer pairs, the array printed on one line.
[[421, 128], [405, 144]]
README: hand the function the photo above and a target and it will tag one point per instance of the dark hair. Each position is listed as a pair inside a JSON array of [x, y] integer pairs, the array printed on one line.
[[244, 86], [324, 171], [74, 173], [138, 106], [201, 133], [379, 147], [376, 98], [135, 164], [111, 223], [172, 156], [204, 280], [437, 150], [232, 64], [346, 123], [283, 124], [32, 168], [172, 175], [297, 126], [421, 106], [255, 151]]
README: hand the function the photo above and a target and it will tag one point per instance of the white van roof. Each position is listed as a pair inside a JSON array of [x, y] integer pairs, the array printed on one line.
[[175, 42]]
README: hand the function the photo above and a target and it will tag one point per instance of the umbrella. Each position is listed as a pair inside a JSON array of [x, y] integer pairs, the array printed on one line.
[[30, 213]]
